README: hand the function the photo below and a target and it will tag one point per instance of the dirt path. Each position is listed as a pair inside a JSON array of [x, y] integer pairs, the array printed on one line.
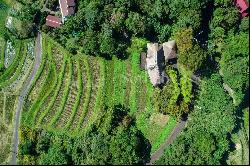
[[177, 130], [24, 91], [194, 78]]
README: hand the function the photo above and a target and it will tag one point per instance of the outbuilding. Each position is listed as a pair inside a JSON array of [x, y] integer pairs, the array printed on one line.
[[67, 8], [53, 21]]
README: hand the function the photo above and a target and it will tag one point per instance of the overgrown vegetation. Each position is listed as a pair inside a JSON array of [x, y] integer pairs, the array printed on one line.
[[215, 132], [113, 129], [11, 80]]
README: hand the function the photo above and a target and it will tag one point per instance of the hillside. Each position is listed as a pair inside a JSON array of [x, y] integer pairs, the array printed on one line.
[[115, 82]]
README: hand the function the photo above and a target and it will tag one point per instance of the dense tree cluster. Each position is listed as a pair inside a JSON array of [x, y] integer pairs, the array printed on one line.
[[112, 139], [105, 27], [205, 140], [191, 55], [176, 96], [25, 15], [223, 93]]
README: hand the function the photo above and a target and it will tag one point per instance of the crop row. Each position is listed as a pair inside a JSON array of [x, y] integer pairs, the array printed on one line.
[[134, 82], [9, 108], [82, 82], [99, 103], [109, 84], [78, 97], [87, 95], [2, 51], [66, 90], [8, 73], [47, 88], [71, 99], [119, 81], [18, 68], [2, 99]]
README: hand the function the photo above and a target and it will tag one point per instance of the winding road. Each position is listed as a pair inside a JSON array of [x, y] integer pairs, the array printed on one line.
[[24, 92], [177, 130]]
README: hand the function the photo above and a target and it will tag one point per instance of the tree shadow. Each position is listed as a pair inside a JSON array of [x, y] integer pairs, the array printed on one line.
[[121, 114], [144, 148], [238, 125], [206, 16]]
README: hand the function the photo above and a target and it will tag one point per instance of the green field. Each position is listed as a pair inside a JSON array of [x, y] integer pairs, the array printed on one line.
[[3, 15], [69, 92], [11, 81]]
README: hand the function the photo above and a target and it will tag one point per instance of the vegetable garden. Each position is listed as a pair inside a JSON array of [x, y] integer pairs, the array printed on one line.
[[69, 92]]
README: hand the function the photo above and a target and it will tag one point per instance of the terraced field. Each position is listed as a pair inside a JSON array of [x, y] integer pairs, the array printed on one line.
[[12, 77], [70, 91]]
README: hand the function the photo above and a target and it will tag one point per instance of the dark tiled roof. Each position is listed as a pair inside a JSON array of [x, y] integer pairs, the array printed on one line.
[[71, 10], [71, 2]]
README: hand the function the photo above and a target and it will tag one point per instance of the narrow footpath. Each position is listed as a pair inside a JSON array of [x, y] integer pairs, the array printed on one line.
[[24, 92], [177, 130]]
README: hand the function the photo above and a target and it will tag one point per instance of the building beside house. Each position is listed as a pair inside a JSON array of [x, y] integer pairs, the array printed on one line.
[[53, 21], [242, 5], [169, 49], [67, 8]]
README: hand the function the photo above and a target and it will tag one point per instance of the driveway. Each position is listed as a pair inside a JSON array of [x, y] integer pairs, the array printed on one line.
[[177, 130]]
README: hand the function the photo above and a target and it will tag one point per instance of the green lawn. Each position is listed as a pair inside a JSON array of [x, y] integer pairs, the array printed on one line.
[[3, 15]]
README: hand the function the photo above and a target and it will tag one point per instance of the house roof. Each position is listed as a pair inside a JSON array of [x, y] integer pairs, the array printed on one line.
[[157, 55], [243, 6], [71, 2], [53, 21], [169, 50], [153, 67], [71, 11], [67, 7]]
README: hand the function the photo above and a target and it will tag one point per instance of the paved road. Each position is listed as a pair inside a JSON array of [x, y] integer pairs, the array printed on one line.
[[24, 91], [177, 130]]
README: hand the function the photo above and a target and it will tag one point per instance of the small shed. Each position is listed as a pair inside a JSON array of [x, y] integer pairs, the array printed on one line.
[[169, 50], [53, 21], [143, 61]]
